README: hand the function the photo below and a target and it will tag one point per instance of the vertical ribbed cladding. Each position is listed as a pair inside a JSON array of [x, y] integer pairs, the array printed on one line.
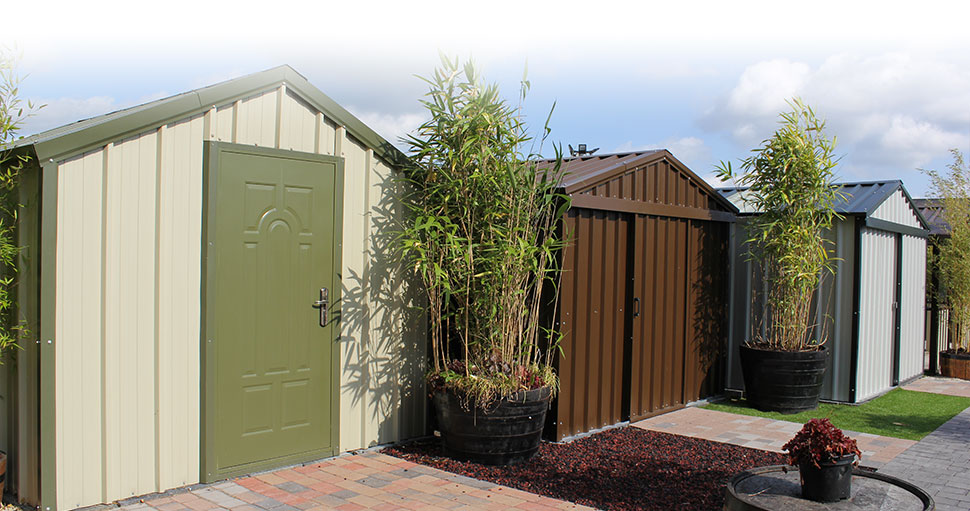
[[678, 337], [643, 299], [592, 305], [913, 307], [669, 301], [876, 313]]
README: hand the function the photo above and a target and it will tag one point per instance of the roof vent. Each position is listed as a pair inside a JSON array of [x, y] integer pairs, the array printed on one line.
[[581, 150]]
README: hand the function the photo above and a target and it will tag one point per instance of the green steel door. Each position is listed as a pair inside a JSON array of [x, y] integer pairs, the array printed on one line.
[[272, 240]]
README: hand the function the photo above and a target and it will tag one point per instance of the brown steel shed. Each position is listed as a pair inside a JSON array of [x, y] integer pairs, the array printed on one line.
[[643, 300]]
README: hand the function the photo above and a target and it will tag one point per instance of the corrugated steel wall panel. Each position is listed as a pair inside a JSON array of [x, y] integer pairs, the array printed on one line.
[[739, 317], [179, 250], [707, 322], [24, 459], [256, 120], [898, 210], [834, 304], [127, 344], [674, 268], [876, 314], [913, 306], [837, 313], [78, 387], [593, 298], [128, 311], [659, 334]]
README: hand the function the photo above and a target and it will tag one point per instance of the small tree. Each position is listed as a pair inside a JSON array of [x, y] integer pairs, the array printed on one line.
[[953, 260], [482, 237], [12, 114], [791, 181]]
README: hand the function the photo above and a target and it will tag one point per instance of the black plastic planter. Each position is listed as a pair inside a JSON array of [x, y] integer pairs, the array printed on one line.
[[783, 381], [508, 432], [829, 482]]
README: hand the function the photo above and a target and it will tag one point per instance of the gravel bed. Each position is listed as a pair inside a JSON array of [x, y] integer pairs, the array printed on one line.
[[618, 469]]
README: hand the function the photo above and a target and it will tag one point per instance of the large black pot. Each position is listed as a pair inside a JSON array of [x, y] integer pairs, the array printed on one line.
[[829, 482], [504, 433], [783, 381]]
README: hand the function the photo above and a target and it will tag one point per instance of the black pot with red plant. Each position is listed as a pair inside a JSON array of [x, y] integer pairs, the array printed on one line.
[[825, 458]]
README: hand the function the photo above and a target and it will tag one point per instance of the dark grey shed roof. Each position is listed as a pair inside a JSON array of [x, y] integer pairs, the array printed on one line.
[[90, 133], [859, 198], [932, 211]]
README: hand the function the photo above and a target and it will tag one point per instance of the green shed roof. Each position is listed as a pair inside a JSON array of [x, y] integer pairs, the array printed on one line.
[[91, 133]]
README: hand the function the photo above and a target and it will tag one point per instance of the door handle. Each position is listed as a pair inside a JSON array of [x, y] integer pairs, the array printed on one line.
[[636, 307], [322, 304]]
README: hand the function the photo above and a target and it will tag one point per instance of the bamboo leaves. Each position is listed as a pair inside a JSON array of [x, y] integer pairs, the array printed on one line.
[[481, 235], [791, 180], [954, 251]]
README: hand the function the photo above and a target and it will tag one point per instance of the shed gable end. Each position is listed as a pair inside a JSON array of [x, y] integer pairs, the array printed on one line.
[[657, 182], [899, 210]]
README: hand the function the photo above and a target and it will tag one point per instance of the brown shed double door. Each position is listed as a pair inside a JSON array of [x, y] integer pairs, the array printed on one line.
[[643, 314]]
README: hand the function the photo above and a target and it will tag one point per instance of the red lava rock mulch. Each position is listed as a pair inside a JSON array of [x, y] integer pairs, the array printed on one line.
[[624, 468]]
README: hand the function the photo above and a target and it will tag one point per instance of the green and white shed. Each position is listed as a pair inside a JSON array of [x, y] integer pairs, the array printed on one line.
[[210, 291]]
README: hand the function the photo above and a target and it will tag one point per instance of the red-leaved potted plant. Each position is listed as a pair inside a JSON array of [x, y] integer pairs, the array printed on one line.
[[825, 457]]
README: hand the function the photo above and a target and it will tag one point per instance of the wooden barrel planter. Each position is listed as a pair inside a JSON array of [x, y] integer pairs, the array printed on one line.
[[783, 381], [506, 433], [955, 365]]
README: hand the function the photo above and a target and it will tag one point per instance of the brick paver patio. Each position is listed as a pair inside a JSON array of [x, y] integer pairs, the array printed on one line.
[[762, 433], [368, 480]]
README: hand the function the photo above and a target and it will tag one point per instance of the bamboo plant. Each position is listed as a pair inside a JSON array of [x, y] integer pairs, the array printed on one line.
[[953, 258], [12, 114], [790, 179], [482, 237]]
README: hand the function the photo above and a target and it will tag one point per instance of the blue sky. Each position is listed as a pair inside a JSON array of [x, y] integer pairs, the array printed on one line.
[[703, 79]]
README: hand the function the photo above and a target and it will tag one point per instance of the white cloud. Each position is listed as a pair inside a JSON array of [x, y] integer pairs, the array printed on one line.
[[891, 112], [52, 113], [390, 126], [686, 149], [692, 151], [60, 111], [763, 87]]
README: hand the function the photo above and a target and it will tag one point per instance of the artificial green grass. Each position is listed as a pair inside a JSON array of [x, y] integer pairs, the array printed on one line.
[[898, 414]]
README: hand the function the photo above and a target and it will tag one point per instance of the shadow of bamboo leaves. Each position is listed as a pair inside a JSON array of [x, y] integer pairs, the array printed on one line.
[[709, 297], [384, 343]]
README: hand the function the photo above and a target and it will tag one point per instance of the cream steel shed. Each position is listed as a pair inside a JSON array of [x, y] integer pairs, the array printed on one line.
[[209, 286], [874, 303]]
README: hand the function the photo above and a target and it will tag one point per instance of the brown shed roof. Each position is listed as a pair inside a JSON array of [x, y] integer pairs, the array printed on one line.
[[654, 180]]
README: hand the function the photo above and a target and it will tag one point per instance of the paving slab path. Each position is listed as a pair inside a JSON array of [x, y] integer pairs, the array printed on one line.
[[368, 480], [939, 385], [762, 433], [940, 462]]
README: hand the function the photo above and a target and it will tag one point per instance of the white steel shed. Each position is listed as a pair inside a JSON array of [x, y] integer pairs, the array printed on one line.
[[872, 307], [212, 292]]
